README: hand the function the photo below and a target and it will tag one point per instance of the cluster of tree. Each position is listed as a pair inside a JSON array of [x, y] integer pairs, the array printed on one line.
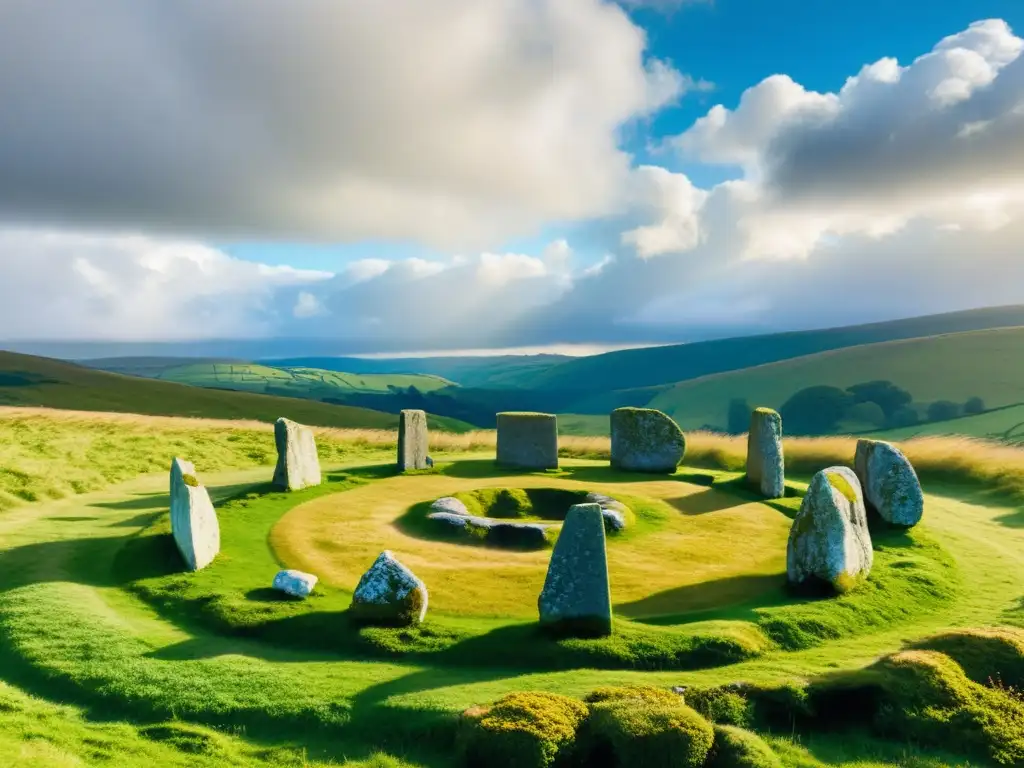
[[818, 410]]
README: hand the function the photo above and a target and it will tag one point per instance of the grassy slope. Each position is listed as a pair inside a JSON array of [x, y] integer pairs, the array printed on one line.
[[628, 369], [1005, 424], [26, 380], [953, 367]]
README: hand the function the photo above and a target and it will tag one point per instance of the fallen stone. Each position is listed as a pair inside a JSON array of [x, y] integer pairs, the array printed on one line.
[[527, 440], [766, 469], [412, 440], [891, 487], [194, 525], [389, 594], [829, 541], [576, 599], [612, 510], [645, 440], [298, 466], [295, 583], [449, 504], [499, 533], [453, 519]]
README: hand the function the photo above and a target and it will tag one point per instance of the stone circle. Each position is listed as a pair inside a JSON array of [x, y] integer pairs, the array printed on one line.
[[194, 524], [891, 487], [645, 440], [412, 440], [298, 466], [527, 440], [766, 468]]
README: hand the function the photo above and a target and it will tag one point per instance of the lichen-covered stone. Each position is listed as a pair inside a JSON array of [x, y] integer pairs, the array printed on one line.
[[576, 599], [891, 486], [766, 469], [295, 583], [389, 594], [450, 505], [194, 523], [645, 440], [298, 466], [528, 440], [829, 541], [412, 440]]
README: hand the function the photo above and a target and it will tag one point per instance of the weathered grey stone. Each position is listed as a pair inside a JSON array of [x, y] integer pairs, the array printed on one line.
[[194, 523], [295, 583], [298, 466], [389, 594], [449, 504], [891, 486], [766, 469], [499, 533], [613, 511], [528, 440], [645, 440], [829, 541], [576, 599], [453, 519], [412, 440]]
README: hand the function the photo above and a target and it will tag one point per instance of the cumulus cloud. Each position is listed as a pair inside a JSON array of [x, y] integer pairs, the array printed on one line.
[[453, 123]]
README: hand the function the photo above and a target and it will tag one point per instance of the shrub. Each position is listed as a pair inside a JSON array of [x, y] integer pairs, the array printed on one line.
[[815, 410], [720, 705], [622, 733], [942, 410], [736, 748], [646, 693], [521, 730], [986, 655], [974, 406]]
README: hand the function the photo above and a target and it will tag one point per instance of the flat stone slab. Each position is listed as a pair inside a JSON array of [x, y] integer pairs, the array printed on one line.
[[295, 583], [298, 466], [501, 533], [194, 524], [891, 486], [612, 510], [412, 440], [527, 440], [576, 599], [829, 541], [389, 594], [449, 504], [766, 467], [645, 440]]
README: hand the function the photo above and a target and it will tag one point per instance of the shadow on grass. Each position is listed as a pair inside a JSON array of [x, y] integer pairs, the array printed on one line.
[[142, 501], [705, 502], [72, 519], [735, 597]]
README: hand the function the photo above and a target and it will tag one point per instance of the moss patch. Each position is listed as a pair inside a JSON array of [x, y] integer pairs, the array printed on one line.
[[633, 732], [736, 748]]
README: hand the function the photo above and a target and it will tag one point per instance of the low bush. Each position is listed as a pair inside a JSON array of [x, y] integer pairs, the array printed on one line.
[[627, 732], [647, 693], [737, 748], [987, 656], [720, 705]]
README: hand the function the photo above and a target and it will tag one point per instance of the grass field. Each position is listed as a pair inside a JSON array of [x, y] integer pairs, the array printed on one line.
[[956, 367], [161, 668]]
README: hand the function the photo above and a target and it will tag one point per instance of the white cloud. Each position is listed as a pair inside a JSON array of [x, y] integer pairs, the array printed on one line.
[[307, 305]]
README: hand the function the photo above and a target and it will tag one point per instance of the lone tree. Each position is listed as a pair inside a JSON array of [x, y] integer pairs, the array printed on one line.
[[942, 410], [974, 405], [815, 410], [885, 394]]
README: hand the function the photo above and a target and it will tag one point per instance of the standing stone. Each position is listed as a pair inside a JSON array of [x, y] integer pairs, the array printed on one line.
[[298, 466], [891, 487], [766, 469], [412, 440], [576, 599], [645, 440], [389, 594], [829, 541], [295, 583], [528, 440], [194, 523]]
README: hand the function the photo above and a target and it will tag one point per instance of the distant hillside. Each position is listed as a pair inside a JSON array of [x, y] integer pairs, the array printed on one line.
[[999, 424], [313, 383], [40, 381], [632, 368], [956, 367]]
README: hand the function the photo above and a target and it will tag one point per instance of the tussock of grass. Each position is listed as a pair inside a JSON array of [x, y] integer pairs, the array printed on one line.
[[737, 748]]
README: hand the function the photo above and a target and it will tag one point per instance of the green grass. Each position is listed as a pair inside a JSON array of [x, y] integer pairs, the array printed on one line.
[[954, 367], [26, 380], [1003, 424]]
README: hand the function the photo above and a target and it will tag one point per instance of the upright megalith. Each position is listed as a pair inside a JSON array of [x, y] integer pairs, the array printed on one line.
[[389, 594], [891, 487], [576, 599], [829, 542], [766, 469], [645, 440], [412, 440], [528, 440], [194, 523], [298, 466]]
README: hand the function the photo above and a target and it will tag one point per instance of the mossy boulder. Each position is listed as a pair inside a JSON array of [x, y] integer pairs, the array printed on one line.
[[737, 748], [891, 486], [521, 730], [412, 440], [576, 599], [527, 440], [829, 543], [645, 440], [389, 594], [623, 733], [766, 469], [298, 465]]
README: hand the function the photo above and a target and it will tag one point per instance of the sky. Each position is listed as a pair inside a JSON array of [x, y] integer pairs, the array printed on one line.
[[503, 174]]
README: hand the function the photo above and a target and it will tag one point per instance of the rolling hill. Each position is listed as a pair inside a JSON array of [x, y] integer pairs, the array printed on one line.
[[653, 366], [40, 381], [956, 367], [1006, 424]]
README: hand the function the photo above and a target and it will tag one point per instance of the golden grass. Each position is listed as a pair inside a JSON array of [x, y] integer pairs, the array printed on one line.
[[338, 538]]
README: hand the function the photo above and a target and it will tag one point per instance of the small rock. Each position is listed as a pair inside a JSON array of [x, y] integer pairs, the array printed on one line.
[[645, 440], [295, 583], [612, 510], [891, 487], [298, 466], [430, 462], [450, 505], [389, 594]]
